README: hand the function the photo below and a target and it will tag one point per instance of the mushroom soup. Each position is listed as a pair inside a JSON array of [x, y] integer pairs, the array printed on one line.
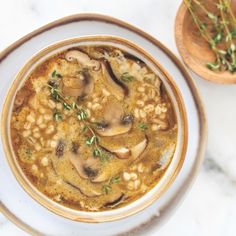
[[93, 128]]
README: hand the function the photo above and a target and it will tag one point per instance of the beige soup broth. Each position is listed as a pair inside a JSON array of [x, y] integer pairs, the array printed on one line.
[[93, 128]]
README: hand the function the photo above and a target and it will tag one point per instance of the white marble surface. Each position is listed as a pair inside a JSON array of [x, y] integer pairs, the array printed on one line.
[[210, 207]]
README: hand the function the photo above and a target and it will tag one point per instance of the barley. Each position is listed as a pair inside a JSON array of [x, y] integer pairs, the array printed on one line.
[[149, 108], [44, 161], [133, 176], [53, 143], [136, 184], [140, 168], [162, 116], [130, 185], [140, 103], [37, 147], [41, 140], [142, 113], [34, 168], [145, 98], [95, 100], [50, 129], [30, 118], [158, 110], [27, 125], [136, 113], [47, 117], [39, 120], [51, 104], [126, 176], [89, 104], [151, 93], [36, 135], [26, 133], [42, 110], [36, 129], [155, 127], [59, 106], [95, 106], [141, 89]]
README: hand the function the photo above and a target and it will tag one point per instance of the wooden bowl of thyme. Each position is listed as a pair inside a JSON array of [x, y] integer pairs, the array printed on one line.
[[205, 32]]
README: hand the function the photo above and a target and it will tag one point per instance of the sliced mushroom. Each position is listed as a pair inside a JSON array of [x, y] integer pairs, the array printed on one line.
[[134, 58], [138, 149], [114, 85], [86, 168], [100, 178], [165, 158], [22, 96], [114, 200], [116, 122], [122, 153], [83, 59], [77, 86], [87, 192], [125, 153]]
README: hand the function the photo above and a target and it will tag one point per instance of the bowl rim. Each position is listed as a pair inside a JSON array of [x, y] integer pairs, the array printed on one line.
[[42, 198]]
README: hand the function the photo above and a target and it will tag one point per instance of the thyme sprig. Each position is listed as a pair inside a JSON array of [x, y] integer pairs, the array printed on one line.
[[81, 114], [222, 29]]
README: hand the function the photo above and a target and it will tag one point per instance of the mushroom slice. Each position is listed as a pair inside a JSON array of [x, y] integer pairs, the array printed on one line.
[[77, 86], [113, 130], [138, 149], [122, 153], [114, 200], [165, 158], [125, 153], [116, 122], [134, 59], [86, 168], [115, 86], [83, 59], [100, 178], [86, 192]]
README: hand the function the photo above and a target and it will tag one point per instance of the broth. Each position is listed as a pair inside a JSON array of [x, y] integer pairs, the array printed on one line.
[[93, 128]]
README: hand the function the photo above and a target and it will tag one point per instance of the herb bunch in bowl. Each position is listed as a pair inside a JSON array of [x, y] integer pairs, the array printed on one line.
[[216, 24]]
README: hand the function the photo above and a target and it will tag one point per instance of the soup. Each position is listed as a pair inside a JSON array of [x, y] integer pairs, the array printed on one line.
[[93, 128]]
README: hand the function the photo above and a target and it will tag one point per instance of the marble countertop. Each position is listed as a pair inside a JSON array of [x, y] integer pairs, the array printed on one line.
[[209, 208]]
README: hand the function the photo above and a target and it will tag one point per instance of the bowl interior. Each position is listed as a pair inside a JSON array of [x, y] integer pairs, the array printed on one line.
[[167, 178]]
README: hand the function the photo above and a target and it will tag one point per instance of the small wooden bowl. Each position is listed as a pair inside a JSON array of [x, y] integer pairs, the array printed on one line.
[[194, 50]]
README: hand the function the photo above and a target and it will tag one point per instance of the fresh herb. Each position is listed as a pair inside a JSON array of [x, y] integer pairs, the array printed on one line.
[[91, 140], [82, 114], [115, 180], [143, 126], [55, 74], [67, 106], [126, 77], [57, 116], [106, 188], [221, 29], [97, 152], [74, 105], [85, 128]]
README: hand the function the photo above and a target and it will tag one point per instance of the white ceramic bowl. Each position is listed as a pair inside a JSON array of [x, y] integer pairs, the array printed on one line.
[[28, 213]]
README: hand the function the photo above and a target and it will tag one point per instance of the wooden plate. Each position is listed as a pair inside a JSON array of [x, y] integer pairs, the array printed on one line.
[[194, 50]]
